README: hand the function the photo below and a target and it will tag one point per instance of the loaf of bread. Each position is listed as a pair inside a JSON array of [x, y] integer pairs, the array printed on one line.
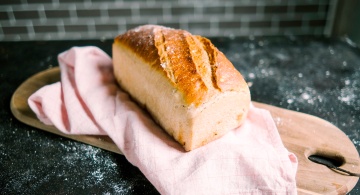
[[188, 86]]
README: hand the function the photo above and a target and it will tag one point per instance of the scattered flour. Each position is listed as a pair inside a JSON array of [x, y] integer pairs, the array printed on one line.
[[319, 78]]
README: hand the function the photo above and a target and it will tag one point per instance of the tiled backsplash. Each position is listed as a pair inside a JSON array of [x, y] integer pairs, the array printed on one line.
[[97, 19]]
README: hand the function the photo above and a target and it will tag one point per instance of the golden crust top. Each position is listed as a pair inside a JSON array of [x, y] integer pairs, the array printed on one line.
[[192, 63]]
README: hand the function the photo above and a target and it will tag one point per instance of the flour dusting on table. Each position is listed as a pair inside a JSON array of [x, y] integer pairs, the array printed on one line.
[[302, 75]]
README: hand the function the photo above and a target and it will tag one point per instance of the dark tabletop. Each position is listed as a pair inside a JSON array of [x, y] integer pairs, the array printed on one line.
[[314, 75]]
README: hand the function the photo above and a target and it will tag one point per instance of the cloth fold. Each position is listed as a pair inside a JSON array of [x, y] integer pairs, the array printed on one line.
[[250, 159]]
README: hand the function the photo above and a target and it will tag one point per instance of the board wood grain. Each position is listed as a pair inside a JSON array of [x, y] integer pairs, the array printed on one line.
[[302, 134]]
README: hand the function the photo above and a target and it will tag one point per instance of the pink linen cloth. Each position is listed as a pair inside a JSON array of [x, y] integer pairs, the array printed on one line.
[[248, 160]]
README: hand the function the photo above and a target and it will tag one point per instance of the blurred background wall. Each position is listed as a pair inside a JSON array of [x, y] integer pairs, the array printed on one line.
[[347, 20], [104, 19]]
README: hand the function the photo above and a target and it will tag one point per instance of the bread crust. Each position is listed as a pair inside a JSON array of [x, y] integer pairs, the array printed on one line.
[[191, 63], [197, 84]]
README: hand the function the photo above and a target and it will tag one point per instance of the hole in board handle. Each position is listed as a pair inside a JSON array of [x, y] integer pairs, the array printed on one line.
[[329, 161], [332, 162]]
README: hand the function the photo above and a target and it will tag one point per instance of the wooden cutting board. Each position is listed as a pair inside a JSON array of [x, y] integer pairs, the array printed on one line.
[[301, 134]]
